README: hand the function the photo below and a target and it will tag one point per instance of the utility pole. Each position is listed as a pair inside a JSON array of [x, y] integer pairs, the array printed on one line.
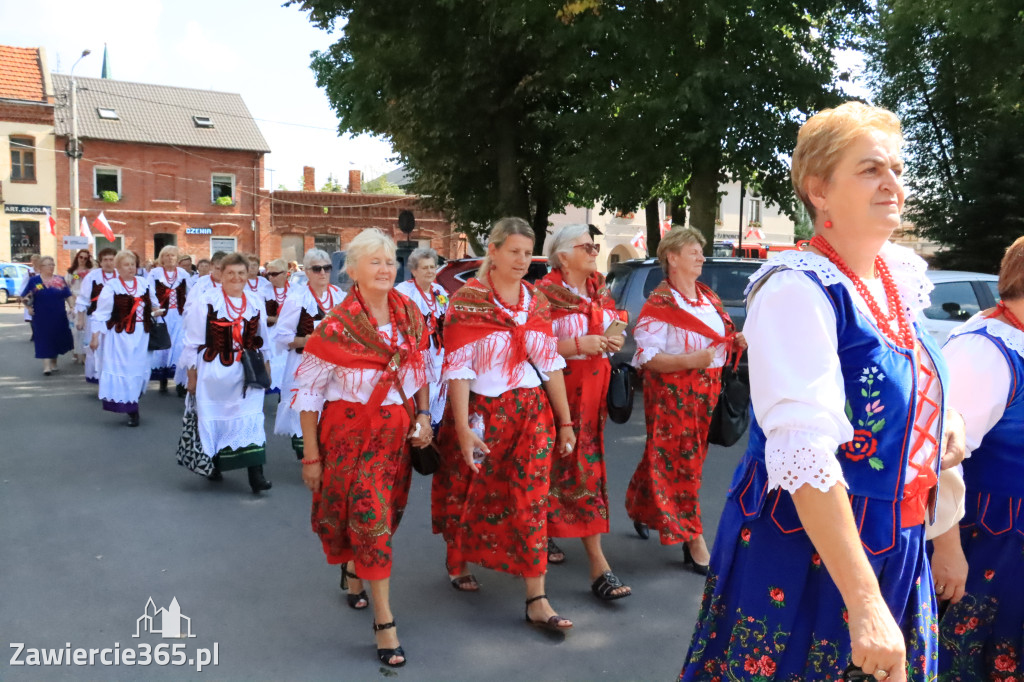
[[74, 149], [743, 194]]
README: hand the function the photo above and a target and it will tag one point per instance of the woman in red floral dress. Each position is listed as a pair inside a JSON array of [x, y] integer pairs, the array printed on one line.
[[358, 364], [683, 339], [490, 495], [581, 311]]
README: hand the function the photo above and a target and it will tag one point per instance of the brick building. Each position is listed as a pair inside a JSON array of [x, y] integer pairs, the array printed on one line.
[[177, 166], [300, 220], [27, 182]]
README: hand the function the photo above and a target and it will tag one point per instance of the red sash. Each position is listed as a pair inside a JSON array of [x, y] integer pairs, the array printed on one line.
[[564, 302], [661, 305]]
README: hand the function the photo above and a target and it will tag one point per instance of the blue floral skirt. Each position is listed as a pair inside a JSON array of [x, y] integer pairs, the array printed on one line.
[[982, 637], [771, 611]]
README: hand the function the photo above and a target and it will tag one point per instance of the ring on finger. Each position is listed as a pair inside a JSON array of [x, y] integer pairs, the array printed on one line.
[[881, 674], [940, 589]]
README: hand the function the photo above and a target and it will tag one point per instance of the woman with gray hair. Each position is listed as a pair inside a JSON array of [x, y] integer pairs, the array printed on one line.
[[432, 300], [582, 311], [304, 307]]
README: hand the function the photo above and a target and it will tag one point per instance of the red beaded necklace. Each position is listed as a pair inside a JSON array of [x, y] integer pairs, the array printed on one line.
[[1010, 317], [251, 287], [905, 337], [517, 308], [167, 277], [428, 297], [283, 295], [106, 278], [325, 304], [234, 313], [135, 286], [393, 339], [698, 302]]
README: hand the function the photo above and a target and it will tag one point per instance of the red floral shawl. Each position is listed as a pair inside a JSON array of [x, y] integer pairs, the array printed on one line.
[[346, 338], [564, 302], [473, 314], [661, 305]]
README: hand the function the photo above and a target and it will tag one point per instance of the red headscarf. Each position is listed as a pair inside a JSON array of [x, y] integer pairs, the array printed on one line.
[[564, 302]]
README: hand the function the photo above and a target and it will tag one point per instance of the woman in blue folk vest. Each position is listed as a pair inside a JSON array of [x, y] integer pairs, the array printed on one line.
[[982, 633], [819, 560]]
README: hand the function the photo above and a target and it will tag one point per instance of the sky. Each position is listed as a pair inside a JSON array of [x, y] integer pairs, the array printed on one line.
[[256, 48]]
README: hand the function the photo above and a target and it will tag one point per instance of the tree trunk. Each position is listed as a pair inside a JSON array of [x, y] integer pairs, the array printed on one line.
[[678, 207], [704, 194], [540, 217], [653, 225], [511, 194]]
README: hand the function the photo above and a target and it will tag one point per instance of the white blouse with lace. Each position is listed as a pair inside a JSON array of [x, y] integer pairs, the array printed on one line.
[[655, 336], [482, 362], [796, 383], [578, 324]]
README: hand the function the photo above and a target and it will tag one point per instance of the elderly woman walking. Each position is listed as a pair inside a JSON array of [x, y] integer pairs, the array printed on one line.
[[49, 294], [820, 554], [683, 339], [490, 495], [85, 305], [170, 284], [360, 366], [219, 326], [79, 269], [277, 275], [432, 300], [582, 310], [306, 305], [124, 316]]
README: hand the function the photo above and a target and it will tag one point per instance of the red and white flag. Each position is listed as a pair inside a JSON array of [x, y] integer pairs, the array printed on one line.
[[53, 223], [666, 226], [83, 229], [103, 226], [754, 233], [639, 241]]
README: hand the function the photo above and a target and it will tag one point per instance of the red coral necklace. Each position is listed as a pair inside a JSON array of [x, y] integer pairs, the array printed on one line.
[[1010, 317], [134, 288], [698, 302], [517, 308]]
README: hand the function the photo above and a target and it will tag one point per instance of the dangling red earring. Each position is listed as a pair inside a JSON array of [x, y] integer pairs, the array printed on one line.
[[828, 225]]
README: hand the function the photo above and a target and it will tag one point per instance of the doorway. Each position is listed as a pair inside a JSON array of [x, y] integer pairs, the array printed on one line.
[[162, 239]]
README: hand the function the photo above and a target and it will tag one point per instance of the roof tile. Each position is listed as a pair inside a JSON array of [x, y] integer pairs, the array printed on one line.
[[21, 76]]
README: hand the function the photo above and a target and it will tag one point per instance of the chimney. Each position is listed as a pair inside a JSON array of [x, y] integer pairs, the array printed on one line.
[[308, 179], [355, 182]]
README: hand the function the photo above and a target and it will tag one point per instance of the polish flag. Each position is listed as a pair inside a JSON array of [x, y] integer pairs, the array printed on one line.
[[639, 242], [754, 233], [83, 229], [666, 225], [53, 223], [103, 226]]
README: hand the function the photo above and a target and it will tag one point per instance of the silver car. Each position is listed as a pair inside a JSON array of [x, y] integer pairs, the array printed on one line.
[[956, 298]]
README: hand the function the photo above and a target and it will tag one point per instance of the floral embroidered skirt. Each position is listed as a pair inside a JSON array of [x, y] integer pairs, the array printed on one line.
[[498, 518], [365, 484], [664, 492], [982, 637], [771, 612], [578, 500]]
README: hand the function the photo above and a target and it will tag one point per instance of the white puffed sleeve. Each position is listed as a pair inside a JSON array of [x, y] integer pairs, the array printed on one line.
[[194, 335], [979, 384], [459, 364], [796, 384], [651, 339], [287, 322], [312, 377], [104, 309], [85, 291]]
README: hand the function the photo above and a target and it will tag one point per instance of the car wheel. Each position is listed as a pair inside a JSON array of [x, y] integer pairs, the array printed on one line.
[[3, 296]]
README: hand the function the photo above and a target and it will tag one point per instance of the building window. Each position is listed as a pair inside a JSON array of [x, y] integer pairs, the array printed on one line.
[[108, 114], [106, 180], [292, 247], [328, 242], [23, 159], [102, 242], [24, 240], [222, 185], [225, 244], [202, 121], [755, 210]]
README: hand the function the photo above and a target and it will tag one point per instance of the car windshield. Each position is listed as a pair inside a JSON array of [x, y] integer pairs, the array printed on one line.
[[616, 282]]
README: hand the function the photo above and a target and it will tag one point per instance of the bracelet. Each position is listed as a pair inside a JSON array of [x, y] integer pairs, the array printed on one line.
[[570, 425], [307, 462], [423, 412], [576, 340]]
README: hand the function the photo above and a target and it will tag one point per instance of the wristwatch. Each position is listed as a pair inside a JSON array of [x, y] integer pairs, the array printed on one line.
[[424, 412]]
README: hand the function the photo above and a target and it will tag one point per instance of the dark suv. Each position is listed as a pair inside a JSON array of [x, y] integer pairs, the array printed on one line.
[[632, 281]]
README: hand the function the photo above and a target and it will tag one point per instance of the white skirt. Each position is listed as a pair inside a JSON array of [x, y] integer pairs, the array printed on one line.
[[287, 422], [160, 359], [124, 365], [226, 419]]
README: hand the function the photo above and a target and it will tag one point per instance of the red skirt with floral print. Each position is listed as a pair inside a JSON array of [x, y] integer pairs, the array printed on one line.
[[365, 485], [664, 492], [578, 500], [497, 518]]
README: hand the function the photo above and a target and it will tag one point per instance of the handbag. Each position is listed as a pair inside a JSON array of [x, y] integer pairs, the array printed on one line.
[[731, 417], [255, 368], [427, 459], [159, 336], [620, 393], [190, 448]]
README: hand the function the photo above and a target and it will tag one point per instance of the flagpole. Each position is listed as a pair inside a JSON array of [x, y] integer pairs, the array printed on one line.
[[73, 151], [743, 192]]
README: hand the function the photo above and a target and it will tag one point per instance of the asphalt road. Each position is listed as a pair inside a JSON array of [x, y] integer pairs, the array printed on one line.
[[97, 518]]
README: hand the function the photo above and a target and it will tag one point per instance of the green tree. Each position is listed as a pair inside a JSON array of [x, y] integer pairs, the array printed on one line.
[[381, 185], [332, 185]]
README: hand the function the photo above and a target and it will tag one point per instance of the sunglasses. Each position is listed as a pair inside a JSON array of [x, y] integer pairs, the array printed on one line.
[[592, 249], [321, 268], [275, 274]]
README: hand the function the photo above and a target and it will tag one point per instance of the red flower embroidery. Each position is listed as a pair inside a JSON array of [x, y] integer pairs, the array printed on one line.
[[972, 623], [766, 666], [750, 619], [816, 559], [960, 629], [1004, 663], [863, 445], [778, 596], [363, 505], [751, 666], [989, 574], [934, 627], [745, 535]]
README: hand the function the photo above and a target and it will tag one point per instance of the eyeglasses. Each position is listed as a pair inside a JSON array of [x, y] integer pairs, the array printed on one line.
[[589, 247], [275, 274], [321, 268]]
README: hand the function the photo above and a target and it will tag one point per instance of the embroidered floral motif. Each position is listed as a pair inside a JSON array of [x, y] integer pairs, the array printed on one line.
[[864, 444]]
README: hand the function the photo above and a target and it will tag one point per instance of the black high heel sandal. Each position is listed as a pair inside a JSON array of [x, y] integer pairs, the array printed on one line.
[[551, 624], [699, 569], [352, 599], [385, 655]]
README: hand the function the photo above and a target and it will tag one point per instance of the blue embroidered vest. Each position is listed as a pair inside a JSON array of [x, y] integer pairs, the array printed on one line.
[[994, 473], [880, 381]]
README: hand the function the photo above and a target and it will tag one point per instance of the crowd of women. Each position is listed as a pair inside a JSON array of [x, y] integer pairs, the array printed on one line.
[[853, 543]]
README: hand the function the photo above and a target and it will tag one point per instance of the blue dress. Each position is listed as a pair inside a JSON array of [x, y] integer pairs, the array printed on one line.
[[770, 609], [50, 328]]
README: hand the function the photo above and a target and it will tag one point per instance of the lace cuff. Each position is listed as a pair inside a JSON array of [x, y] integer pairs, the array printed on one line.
[[307, 400], [795, 458], [311, 379], [459, 364], [643, 356]]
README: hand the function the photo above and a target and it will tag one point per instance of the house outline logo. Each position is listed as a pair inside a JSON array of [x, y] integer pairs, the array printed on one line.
[[170, 621]]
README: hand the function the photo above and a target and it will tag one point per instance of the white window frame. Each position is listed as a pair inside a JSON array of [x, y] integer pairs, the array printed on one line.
[[95, 176], [234, 244], [213, 199], [755, 210], [118, 241]]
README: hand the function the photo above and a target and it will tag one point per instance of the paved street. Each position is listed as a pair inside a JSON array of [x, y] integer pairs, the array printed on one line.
[[97, 518]]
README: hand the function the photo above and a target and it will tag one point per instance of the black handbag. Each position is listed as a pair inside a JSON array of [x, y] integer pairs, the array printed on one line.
[[731, 417], [190, 448], [620, 393], [427, 459], [159, 336], [255, 367]]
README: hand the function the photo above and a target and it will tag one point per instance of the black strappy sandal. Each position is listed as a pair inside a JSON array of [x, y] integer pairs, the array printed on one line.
[[551, 624], [466, 583], [385, 655], [553, 551], [352, 599], [606, 584]]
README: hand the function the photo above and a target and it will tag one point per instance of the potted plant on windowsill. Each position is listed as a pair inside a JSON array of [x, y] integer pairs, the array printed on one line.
[[110, 196], [224, 201]]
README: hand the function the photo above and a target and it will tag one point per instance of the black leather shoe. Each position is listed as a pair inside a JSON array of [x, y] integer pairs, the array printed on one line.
[[256, 480], [133, 419], [163, 385], [642, 530], [699, 569], [215, 476]]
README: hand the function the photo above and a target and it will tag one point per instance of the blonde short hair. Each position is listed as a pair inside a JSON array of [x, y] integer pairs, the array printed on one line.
[[826, 136], [561, 242], [124, 254], [167, 249], [279, 264], [502, 230], [1011, 272], [366, 242], [674, 241]]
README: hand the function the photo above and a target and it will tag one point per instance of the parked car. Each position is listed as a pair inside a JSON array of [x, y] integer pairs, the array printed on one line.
[[453, 274], [13, 277], [956, 298], [632, 281]]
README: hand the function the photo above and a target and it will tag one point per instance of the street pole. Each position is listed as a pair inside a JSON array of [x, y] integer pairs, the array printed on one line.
[[73, 149], [743, 193]]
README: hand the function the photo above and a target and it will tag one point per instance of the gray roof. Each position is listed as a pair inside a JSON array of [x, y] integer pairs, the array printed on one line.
[[157, 114], [399, 177]]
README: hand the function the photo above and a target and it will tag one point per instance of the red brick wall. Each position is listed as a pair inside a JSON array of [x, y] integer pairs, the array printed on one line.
[[164, 190]]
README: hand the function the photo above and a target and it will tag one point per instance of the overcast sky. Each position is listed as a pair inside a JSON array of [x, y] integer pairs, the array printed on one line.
[[253, 47]]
